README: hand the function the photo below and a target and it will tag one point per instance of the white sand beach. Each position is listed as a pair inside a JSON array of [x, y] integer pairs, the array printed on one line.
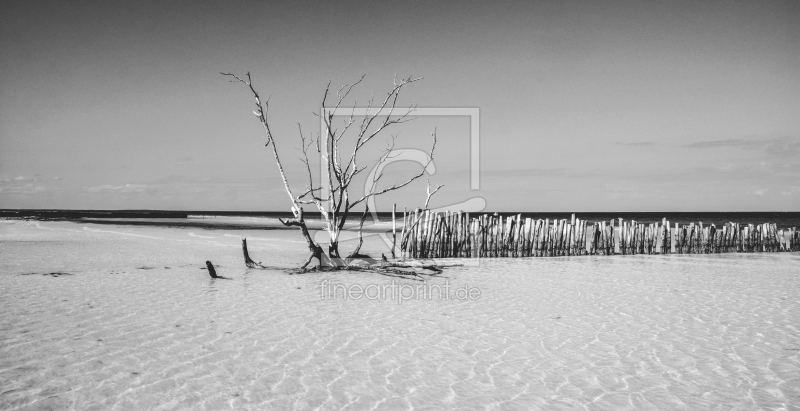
[[128, 320]]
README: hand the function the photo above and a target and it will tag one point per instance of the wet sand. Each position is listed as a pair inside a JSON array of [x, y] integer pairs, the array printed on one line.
[[123, 317]]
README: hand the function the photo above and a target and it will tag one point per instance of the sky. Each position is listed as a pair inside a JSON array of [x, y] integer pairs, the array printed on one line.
[[584, 106]]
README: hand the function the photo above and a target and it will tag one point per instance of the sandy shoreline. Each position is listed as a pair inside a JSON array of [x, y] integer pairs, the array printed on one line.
[[134, 323]]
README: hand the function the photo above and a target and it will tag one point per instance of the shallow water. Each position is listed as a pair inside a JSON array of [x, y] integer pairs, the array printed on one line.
[[129, 320]]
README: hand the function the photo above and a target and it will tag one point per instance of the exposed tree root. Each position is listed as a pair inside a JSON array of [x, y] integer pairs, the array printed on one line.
[[213, 273], [247, 261], [359, 263]]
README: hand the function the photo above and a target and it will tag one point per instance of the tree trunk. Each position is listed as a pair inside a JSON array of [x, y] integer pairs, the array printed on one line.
[[316, 250]]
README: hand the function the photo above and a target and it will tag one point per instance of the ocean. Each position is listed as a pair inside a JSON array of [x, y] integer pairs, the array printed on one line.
[[783, 219], [118, 312]]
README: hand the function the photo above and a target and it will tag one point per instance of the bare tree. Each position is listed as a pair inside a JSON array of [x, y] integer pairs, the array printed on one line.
[[336, 205]]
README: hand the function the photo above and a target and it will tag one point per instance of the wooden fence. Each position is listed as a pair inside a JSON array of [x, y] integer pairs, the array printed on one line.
[[426, 234]]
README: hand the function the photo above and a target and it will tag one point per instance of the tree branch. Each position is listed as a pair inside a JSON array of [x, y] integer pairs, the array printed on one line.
[[430, 194], [398, 186], [263, 109]]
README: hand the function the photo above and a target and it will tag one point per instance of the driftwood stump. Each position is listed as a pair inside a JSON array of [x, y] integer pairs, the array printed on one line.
[[211, 271]]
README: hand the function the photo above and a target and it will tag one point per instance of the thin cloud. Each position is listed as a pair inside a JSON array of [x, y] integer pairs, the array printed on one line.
[[530, 172], [186, 160], [127, 188], [792, 191], [26, 189], [637, 144], [22, 179], [782, 146], [17, 179], [732, 142]]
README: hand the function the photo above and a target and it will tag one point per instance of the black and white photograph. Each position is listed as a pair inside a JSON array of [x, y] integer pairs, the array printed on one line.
[[424, 205]]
